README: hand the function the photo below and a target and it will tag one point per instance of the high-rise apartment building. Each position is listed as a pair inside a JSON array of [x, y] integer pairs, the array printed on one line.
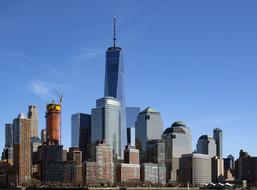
[[131, 136], [106, 124], [206, 145], [33, 116], [81, 133], [155, 151], [178, 141], [114, 84], [75, 155], [53, 123], [149, 126], [22, 149], [217, 135]]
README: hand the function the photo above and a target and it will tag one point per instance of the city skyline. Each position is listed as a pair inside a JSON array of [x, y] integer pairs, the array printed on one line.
[[203, 108]]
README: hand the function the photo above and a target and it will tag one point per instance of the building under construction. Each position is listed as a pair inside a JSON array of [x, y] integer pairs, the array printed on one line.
[[53, 123]]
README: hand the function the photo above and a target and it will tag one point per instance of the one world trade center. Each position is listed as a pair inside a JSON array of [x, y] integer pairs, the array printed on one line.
[[114, 83]]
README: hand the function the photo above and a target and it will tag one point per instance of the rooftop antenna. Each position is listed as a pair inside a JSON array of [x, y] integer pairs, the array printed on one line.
[[114, 30]]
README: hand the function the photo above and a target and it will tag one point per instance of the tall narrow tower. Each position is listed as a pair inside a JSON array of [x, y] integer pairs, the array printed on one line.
[[53, 123], [114, 82], [217, 135], [33, 116]]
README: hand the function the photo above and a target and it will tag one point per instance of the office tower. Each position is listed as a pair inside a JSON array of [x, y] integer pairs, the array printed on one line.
[[246, 169], [102, 170], [149, 126], [106, 124], [8, 135], [129, 171], [131, 116], [155, 151], [114, 84], [81, 133], [153, 173], [33, 116], [22, 149], [8, 149], [217, 169], [195, 169], [206, 145], [131, 136], [229, 162], [178, 141], [217, 135], [43, 136], [75, 155], [53, 123]]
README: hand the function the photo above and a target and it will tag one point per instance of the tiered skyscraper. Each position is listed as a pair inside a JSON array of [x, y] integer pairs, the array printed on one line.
[[114, 83]]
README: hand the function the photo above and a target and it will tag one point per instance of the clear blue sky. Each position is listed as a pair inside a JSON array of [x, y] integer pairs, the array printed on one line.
[[194, 61]]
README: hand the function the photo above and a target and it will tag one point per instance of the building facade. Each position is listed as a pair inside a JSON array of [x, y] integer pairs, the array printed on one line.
[[195, 169], [81, 133], [33, 116], [206, 145], [114, 84], [149, 126], [217, 135], [106, 124], [178, 141], [153, 173], [22, 149]]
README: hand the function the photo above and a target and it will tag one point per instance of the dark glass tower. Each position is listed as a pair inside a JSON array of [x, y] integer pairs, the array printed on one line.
[[114, 82]]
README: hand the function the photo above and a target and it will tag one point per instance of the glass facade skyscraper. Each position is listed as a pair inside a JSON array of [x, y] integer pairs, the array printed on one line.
[[114, 84], [106, 124]]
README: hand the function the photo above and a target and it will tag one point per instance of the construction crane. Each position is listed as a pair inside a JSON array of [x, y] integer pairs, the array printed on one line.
[[60, 96]]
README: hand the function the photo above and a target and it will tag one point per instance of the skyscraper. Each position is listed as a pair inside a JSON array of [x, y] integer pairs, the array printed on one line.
[[8, 135], [81, 133], [114, 83], [178, 141], [22, 149], [33, 116], [149, 126], [217, 135], [106, 124], [206, 145], [131, 118]]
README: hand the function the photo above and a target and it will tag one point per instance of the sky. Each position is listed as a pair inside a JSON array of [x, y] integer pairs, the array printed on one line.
[[194, 61]]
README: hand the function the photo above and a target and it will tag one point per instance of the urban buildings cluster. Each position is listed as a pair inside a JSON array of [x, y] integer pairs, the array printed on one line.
[[116, 145]]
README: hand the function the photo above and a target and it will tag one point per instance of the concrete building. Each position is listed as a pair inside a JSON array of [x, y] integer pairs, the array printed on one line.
[[246, 169], [81, 133], [178, 141], [206, 145], [217, 169], [195, 169], [149, 126], [33, 116], [102, 170], [53, 123], [129, 171], [155, 151], [22, 149], [106, 124], [75, 155], [153, 173], [217, 135]]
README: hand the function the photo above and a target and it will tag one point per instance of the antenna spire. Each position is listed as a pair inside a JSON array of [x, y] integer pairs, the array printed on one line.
[[114, 31]]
